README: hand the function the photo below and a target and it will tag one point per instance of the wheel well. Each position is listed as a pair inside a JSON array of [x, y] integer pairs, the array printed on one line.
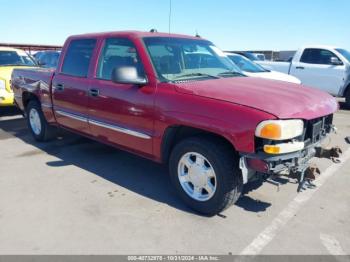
[[175, 134], [347, 90], [26, 97]]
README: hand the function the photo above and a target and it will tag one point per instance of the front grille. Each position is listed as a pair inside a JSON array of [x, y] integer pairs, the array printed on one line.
[[316, 129]]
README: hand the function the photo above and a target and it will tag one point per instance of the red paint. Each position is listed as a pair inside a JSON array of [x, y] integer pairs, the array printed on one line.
[[230, 107], [258, 165]]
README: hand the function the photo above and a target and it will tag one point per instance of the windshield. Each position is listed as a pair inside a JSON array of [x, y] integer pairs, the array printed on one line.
[[246, 65], [179, 59], [14, 58], [345, 53], [248, 55]]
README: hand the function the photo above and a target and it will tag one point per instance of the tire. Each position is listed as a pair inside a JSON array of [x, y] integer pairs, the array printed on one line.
[[37, 124], [220, 158], [347, 98]]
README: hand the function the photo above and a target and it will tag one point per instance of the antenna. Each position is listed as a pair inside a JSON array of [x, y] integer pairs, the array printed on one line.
[[170, 7]]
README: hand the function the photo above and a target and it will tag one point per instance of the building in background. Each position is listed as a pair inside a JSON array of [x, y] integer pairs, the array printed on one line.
[[30, 48], [270, 54]]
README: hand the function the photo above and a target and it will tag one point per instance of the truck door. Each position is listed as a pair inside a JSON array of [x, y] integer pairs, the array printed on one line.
[[316, 70], [121, 114], [70, 86]]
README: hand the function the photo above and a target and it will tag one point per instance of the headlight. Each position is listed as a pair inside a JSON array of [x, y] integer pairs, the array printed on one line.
[[2, 85], [280, 129]]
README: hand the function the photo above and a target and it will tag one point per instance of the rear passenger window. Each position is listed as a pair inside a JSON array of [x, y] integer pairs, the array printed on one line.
[[118, 52], [78, 56], [317, 56]]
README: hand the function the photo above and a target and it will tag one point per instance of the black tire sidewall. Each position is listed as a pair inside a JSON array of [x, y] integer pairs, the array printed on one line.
[[225, 181]]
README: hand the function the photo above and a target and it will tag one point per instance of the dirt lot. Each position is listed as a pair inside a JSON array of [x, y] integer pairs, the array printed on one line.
[[76, 196]]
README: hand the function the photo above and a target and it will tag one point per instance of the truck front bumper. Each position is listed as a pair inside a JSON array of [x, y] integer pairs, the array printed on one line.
[[253, 165], [270, 164]]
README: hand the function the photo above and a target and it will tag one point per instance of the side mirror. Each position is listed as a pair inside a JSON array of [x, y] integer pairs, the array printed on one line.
[[128, 75], [336, 61]]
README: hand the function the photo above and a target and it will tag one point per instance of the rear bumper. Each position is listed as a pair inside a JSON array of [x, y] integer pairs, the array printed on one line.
[[6, 98]]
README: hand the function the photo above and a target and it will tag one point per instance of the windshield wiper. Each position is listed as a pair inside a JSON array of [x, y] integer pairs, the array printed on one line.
[[231, 73], [196, 74]]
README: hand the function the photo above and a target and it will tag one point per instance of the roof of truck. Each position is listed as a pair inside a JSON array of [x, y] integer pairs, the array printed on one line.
[[320, 46], [137, 34]]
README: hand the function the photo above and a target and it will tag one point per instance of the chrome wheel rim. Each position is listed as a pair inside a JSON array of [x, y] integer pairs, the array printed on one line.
[[197, 176], [34, 120]]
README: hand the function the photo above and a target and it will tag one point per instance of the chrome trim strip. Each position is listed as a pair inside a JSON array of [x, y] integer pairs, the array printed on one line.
[[73, 116], [119, 129], [46, 105], [105, 125]]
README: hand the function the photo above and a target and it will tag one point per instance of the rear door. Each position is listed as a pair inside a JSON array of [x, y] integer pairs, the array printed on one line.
[[70, 86], [316, 70], [121, 114]]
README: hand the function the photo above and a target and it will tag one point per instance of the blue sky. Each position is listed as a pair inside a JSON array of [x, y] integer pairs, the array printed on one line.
[[230, 24]]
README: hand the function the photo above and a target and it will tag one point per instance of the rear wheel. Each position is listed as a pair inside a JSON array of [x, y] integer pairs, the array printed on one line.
[[205, 174], [37, 123]]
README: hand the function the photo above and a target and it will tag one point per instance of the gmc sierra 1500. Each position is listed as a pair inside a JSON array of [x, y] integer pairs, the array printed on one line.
[[148, 93]]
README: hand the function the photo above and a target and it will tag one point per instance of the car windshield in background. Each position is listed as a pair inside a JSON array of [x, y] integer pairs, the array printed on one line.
[[179, 59], [49, 59], [246, 65], [14, 58], [345, 53]]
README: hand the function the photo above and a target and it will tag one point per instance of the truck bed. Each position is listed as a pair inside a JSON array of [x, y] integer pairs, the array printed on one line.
[[36, 80]]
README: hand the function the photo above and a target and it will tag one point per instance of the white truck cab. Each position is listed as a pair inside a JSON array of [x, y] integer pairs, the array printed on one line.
[[323, 67]]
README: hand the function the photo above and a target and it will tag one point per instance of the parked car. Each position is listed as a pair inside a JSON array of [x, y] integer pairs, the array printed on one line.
[[215, 128], [253, 69], [322, 67], [249, 55], [11, 58], [48, 59], [260, 57]]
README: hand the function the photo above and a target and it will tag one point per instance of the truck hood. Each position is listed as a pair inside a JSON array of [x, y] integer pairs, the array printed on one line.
[[281, 99]]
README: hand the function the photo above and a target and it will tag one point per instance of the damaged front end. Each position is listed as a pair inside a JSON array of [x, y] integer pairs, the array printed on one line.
[[288, 151]]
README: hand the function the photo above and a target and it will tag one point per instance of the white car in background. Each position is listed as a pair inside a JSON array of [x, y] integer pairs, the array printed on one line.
[[323, 67], [253, 69]]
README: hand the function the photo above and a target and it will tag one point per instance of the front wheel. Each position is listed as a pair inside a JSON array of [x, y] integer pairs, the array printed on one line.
[[205, 174], [37, 124]]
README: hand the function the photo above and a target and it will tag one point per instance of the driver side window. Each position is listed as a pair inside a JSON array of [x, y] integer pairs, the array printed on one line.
[[317, 56], [118, 52]]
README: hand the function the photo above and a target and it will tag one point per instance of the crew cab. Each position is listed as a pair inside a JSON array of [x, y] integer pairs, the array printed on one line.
[[215, 128], [323, 67]]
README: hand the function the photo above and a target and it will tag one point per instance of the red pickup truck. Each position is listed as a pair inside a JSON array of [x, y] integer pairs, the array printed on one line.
[[177, 100]]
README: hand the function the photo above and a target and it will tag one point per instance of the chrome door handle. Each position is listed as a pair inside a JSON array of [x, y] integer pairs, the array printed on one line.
[[59, 87], [300, 67], [94, 92]]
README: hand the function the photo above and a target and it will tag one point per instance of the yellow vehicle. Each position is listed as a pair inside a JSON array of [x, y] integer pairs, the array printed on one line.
[[11, 58]]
